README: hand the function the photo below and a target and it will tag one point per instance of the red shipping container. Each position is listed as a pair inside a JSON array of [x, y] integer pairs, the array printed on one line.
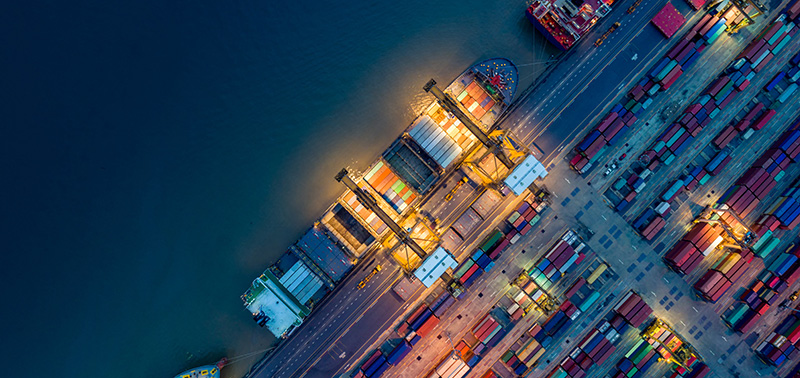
[[769, 33], [606, 121], [671, 78], [763, 62], [673, 52], [762, 121], [691, 264]]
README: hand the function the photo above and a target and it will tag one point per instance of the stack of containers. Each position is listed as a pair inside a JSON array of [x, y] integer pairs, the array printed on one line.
[[527, 292], [782, 343], [720, 277], [764, 174], [786, 212], [442, 304], [653, 228], [652, 221], [633, 309], [489, 332], [525, 352], [623, 116], [398, 353], [523, 218], [636, 361], [748, 118], [766, 244], [558, 261], [450, 367], [482, 259], [765, 291], [792, 74], [769, 43], [580, 297], [593, 349], [699, 242], [375, 366], [467, 354], [792, 10], [630, 187], [556, 324], [419, 324], [716, 97]]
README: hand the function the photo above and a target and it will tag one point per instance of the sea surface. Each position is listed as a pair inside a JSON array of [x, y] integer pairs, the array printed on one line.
[[158, 155]]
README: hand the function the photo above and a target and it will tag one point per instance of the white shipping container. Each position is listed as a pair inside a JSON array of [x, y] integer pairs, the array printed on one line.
[[713, 246], [462, 372]]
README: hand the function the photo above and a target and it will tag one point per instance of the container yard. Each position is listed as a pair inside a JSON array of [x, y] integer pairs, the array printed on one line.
[[656, 239]]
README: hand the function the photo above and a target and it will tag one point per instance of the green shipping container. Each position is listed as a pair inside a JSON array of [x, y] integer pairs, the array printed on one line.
[[661, 75], [705, 179], [560, 373], [464, 268], [780, 175], [669, 160], [737, 314], [634, 349], [769, 247], [491, 240], [507, 356], [781, 45], [589, 301], [762, 240]]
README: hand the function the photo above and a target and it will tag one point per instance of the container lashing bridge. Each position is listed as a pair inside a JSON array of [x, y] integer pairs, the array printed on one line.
[[451, 105], [369, 202]]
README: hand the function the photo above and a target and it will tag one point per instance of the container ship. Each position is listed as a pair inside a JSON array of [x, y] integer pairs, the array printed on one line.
[[564, 22], [435, 143]]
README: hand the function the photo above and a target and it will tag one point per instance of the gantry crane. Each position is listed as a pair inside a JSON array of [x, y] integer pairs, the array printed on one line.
[[745, 241], [370, 203], [451, 105]]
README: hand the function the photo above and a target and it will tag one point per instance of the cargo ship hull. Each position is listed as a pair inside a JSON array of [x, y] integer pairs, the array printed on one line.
[[564, 22], [435, 142], [542, 29]]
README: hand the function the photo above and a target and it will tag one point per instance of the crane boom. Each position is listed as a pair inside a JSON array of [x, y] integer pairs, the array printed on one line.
[[370, 203], [450, 105]]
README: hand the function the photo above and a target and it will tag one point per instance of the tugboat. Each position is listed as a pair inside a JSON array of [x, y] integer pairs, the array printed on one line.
[[207, 371]]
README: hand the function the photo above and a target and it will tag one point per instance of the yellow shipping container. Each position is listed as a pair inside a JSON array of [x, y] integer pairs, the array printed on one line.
[[596, 274]]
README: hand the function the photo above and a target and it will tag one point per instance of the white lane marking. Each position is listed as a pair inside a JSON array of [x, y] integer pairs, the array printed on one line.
[[695, 310]]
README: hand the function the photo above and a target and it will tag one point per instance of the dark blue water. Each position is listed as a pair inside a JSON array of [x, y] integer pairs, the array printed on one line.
[[157, 156]]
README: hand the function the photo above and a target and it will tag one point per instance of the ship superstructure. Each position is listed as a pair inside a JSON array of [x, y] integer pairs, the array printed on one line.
[[564, 22]]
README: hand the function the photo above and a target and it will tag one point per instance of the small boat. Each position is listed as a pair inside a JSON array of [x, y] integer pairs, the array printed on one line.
[[207, 371]]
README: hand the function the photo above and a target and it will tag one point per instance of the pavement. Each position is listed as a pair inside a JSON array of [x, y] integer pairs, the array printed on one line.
[[552, 115]]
